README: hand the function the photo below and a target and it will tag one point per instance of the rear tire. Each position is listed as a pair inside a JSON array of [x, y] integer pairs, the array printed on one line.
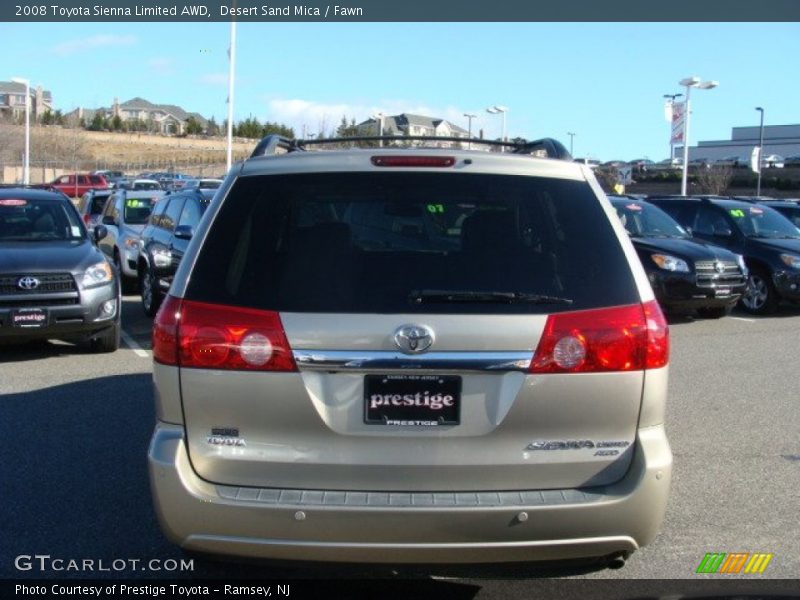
[[715, 312], [107, 341], [760, 298]]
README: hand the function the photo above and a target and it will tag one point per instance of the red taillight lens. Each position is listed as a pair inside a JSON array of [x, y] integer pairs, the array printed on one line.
[[413, 161], [165, 332], [657, 336], [622, 338], [228, 337]]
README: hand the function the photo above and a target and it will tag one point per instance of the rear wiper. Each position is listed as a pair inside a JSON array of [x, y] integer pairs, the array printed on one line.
[[443, 296]]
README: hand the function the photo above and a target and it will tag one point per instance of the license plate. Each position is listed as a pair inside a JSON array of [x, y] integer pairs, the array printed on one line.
[[412, 400], [722, 292], [29, 318]]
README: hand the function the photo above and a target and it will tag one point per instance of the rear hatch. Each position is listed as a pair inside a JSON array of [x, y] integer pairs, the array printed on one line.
[[375, 331]]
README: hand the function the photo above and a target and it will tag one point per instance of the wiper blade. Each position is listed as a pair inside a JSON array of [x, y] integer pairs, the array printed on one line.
[[454, 296]]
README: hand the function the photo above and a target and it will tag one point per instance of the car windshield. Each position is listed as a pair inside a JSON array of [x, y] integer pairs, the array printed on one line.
[[146, 185], [763, 222], [792, 213], [137, 210], [645, 220], [38, 220]]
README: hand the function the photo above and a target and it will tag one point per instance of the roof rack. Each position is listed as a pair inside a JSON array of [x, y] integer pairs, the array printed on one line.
[[547, 147]]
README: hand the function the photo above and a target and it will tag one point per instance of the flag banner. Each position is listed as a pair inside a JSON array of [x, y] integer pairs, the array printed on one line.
[[678, 119]]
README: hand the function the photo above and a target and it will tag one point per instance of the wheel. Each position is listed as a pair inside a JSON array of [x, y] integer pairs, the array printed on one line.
[[760, 297], [107, 341], [128, 284], [151, 295], [715, 312]]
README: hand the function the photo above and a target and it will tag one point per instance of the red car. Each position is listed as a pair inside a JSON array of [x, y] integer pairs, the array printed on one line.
[[77, 185]]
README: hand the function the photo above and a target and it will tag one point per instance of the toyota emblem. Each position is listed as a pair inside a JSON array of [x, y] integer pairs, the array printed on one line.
[[27, 283], [719, 267], [413, 339]]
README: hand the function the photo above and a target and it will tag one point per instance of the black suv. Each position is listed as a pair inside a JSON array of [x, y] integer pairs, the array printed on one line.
[[769, 242], [164, 241], [54, 282], [687, 274]]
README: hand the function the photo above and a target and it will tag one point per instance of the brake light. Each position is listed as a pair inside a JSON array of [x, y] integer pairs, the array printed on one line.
[[622, 338], [165, 332], [211, 336], [413, 161]]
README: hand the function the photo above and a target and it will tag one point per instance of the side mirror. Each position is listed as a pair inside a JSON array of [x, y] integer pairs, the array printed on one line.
[[99, 232], [184, 232]]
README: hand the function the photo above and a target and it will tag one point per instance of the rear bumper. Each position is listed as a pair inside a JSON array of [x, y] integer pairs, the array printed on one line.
[[388, 527]]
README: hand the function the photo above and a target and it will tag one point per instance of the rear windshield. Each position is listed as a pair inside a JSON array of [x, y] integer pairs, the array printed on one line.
[[33, 220], [379, 242], [138, 209], [146, 185]]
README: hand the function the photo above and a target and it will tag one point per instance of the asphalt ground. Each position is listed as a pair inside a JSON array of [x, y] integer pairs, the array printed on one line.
[[75, 429]]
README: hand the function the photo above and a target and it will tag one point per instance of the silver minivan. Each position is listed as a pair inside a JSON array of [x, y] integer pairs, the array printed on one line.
[[410, 355]]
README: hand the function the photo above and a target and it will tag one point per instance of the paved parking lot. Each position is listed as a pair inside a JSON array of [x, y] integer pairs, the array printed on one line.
[[75, 429]]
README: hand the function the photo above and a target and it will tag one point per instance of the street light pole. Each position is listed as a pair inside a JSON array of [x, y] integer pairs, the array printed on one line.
[[494, 110], [26, 163], [231, 70], [671, 98], [571, 138], [689, 83], [760, 149], [470, 116]]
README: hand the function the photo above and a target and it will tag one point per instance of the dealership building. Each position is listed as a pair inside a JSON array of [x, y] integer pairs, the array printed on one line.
[[783, 140]]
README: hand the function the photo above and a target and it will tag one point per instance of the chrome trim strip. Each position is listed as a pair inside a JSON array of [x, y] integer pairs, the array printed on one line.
[[354, 360]]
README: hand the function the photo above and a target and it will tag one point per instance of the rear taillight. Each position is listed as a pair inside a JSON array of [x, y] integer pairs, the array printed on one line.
[[165, 332], [210, 336], [622, 338]]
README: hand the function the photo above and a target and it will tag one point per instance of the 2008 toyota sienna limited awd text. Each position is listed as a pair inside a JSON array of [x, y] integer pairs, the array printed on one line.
[[410, 355]]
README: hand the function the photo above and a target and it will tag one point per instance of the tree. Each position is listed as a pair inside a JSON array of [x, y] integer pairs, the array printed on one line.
[[47, 118], [193, 126], [212, 128], [714, 179], [116, 123], [98, 123]]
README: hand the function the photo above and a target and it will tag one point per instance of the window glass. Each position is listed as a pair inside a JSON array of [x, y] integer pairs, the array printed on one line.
[[170, 217], [38, 220], [370, 242]]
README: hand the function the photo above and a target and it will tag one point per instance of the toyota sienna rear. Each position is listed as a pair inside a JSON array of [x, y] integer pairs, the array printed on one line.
[[410, 355]]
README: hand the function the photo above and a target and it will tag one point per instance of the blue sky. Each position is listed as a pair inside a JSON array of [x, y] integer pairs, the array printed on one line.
[[603, 81]]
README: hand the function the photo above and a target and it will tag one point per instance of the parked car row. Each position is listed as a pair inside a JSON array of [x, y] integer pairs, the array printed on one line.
[[708, 252], [76, 185]]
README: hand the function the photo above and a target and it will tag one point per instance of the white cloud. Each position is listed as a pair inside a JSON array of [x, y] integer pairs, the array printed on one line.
[[297, 112], [93, 42], [161, 65], [214, 79]]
